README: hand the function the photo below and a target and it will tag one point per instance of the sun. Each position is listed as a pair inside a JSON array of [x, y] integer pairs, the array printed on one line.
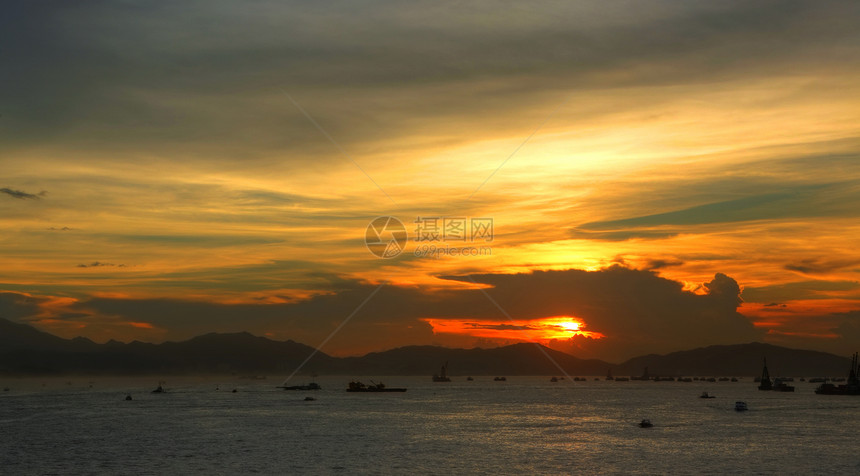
[[569, 325]]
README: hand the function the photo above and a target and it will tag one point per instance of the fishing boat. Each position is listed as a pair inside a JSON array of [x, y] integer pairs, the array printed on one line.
[[741, 406], [356, 386], [644, 376], [160, 388], [765, 383], [645, 424], [501, 379], [851, 386], [779, 385], [442, 376]]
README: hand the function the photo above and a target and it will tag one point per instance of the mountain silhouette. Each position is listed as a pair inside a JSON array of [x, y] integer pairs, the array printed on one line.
[[25, 350]]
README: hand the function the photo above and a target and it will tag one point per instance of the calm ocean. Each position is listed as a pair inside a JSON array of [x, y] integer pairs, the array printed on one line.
[[526, 425]]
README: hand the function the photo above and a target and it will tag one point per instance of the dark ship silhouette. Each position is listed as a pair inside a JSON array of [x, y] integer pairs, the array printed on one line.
[[442, 376], [778, 385], [356, 386], [851, 386]]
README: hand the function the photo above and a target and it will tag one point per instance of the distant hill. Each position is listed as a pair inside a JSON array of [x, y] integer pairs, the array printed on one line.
[[739, 360], [516, 359], [25, 350]]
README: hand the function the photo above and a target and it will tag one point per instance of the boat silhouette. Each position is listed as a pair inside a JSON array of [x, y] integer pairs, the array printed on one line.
[[765, 383], [851, 386], [357, 386], [442, 376]]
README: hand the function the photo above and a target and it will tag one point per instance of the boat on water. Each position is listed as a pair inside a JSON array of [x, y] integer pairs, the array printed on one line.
[[779, 385], [705, 395], [356, 386], [644, 376], [645, 424], [469, 379], [554, 379], [765, 382], [160, 388], [609, 375], [851, 386], [442, 376], [310, 386], [501, 379], [741, 406]]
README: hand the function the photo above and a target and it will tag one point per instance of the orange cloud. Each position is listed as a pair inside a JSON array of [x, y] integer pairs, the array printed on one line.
[[533, 330]]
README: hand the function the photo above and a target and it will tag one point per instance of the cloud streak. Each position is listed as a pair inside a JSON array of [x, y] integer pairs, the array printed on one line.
[[21, 195]]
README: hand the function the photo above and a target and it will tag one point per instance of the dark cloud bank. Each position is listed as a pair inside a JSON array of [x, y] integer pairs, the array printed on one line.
[[637, 310]]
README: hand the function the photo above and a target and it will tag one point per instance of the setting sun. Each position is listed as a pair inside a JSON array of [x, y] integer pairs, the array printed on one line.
[[539, 330]]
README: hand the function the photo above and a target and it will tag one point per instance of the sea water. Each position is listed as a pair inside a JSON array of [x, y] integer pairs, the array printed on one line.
[[526, 425]]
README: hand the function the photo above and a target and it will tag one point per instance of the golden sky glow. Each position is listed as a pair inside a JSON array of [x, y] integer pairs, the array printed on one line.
[[159, 182], [535, 330]]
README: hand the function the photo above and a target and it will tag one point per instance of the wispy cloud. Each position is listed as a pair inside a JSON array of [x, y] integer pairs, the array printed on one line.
[[100, 264], [22, 195]]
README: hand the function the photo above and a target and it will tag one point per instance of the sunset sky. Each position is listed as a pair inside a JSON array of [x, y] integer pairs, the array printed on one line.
[[660, 175]]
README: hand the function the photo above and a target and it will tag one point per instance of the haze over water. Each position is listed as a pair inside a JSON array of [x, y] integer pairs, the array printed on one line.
[[526, 425]]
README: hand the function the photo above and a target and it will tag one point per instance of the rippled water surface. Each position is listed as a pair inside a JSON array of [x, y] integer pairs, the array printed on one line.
[[526, 425]]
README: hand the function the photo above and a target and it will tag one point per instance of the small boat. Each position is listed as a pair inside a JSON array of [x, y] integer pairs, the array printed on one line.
[[309, 399], [645, 424], [741, 406], [851, 387], [779, 385], [469, 379], [310, 386], [442, 376], [356, 386], [128, 398], [765, 383], [734, 379], [160, 388], [500, 379], [554, 379], [644, 376], [609, 375], [705, 395]]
